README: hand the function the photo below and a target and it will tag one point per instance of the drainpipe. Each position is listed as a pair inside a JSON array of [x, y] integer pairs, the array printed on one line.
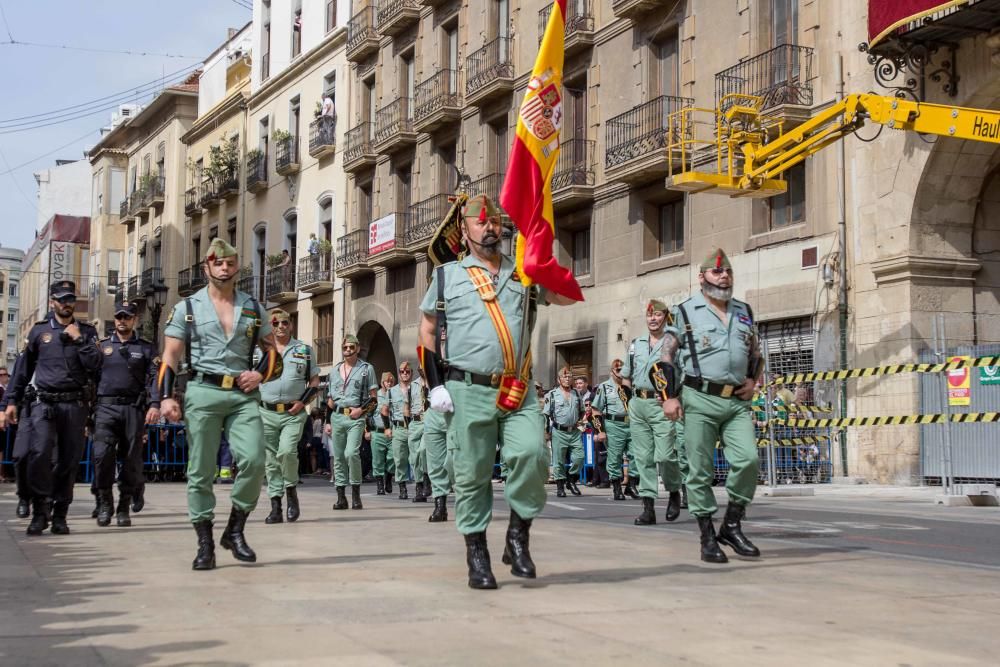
[[241, 224], [842, 266]]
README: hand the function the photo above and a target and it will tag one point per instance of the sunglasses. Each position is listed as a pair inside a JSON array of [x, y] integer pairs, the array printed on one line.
[[280, 323], [719, 272], [405, 370], [123, 316], [349, 347]]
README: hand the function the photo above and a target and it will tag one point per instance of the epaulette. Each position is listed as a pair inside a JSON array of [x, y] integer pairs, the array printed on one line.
[[104, 340]]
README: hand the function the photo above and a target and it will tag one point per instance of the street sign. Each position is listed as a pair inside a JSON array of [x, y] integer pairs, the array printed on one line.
[[989, 375], [959, 383]]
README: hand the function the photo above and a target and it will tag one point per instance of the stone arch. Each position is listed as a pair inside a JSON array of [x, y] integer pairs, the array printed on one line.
[[376, 347], [985, 243]]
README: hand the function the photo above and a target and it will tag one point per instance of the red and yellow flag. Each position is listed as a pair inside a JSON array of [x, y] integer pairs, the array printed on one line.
[[527, 189]]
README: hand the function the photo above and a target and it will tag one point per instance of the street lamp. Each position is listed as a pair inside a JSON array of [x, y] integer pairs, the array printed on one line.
[[159, 300]]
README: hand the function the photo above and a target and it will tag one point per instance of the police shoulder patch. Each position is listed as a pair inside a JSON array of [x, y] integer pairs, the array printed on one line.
[[46, 337], [107, 349]]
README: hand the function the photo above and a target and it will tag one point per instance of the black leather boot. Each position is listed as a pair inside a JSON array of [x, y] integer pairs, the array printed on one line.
[[292, 513], [380, 486], [275, 516], [684, 497], [560, 488], [731, 532], [39, 517], [421, 496], [388, 482], [341, 503], [402, 491], [515, 552], [97, 506], [105, 507], [59, 526], [616, 488], [477, 555], [632, 488], [122, 519], [139, 499], [233, 539], [673, 506], [710, 551], [571, 485], [648, 516], [205, 558], [440, 512], [356, 497], [23, 508]]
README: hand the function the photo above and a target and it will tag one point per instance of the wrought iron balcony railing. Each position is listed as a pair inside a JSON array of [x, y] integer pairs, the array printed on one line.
[[315, 269], [424, 218], [184, 282], [279, 280], [197, 276], [229, 184], [361, 33], [286, 155], [641, 130], [257, 172], [359, 142], [157, 191], [123, 208], [437, 92], [782, 75], [352, 248], [579, 17], [133, 288], [488, 185], [575, 164], [192, 203], [250, 283], [490, 63], [394, 15], [393, 119], [209, 193], [322, 136], [151, 278]]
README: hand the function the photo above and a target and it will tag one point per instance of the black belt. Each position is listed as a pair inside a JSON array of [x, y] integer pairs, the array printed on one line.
[[227, 382], [59, 396], [398, 424], [617, 419], [342, 411], [117, 400], [564, 429], [277, 407], [711, 388], [416, 418], [645, 393], [480, 379]]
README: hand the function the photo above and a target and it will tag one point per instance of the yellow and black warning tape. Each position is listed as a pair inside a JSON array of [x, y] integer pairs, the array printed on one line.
[[793, 407], [892, 420], [791, 442], [894, 369]]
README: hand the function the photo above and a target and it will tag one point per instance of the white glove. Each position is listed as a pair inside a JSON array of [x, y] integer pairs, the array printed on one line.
[[441, 400]]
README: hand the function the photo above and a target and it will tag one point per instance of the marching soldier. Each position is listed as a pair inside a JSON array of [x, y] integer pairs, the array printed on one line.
[[608, 404], [715, 345], [414, 416], [653, 436], [214, 332], [380, 428], [283, 403], [127, 374], [437, 444], [352, 398], [564, 408], [482, 305], [61, 353], [399, 397]]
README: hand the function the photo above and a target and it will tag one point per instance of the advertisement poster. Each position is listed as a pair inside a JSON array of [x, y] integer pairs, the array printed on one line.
[[959, 383], [382, 234]]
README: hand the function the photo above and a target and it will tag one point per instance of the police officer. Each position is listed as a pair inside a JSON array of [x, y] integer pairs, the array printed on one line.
[[715, 345], [564, 409], [414, 416], [352, 398], [214, 331], [608, 404], [380, 427], [62, 355], [128, 370], [483, 383], [653, 436], [399, 398], [283, 403], [437, 443]]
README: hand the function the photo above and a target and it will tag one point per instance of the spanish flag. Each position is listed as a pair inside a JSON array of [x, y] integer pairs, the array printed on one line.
[[527, 189]]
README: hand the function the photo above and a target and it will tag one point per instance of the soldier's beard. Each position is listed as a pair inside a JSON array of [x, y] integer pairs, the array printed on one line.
[[716, 292]]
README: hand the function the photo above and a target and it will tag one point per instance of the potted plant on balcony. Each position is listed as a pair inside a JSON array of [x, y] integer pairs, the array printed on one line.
[[280, 136], [318, 111], [325, 247], [147, 182]]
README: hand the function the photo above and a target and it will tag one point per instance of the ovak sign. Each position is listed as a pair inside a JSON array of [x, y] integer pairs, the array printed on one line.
[[959, 383], [382, 234], [989, 375]]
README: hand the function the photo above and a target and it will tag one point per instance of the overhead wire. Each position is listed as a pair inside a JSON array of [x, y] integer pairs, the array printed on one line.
[[6, 24], [88, 49], [54, 150]]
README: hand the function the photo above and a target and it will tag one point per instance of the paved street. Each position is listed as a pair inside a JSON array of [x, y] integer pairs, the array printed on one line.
[[861, 575]]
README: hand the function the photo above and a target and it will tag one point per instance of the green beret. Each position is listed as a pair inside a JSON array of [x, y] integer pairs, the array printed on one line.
[[219, 249], [279, 314], [715, 260], [655, 305], [481, 207], [350, 339]]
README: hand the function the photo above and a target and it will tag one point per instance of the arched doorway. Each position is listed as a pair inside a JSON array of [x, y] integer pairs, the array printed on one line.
[[986, 250], [376, 347]]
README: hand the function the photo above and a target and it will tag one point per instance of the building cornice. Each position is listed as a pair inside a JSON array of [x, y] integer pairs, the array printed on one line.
[[925, 270], [210, 120]]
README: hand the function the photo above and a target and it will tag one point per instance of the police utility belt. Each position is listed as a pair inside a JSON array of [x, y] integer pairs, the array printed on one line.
[[59, 396], [119, 400]]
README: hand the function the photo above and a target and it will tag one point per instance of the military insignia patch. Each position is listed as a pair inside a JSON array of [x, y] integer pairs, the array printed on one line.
[[107, 349], [46, 338], [170, 317], [250, 331], [744, 319], [249, 312]]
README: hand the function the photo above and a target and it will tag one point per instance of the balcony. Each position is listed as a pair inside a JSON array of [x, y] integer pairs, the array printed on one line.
[[279, 284], [579, 33], [636, 141], [359, 153], [391, 252], [124, 215], [316, 273], [575, 174], [197, 277], [209, 194], [286, 155], [431, 3], [323, 349], [362, 38], [423, 220], [489, 72], [322, 137], [132, 289], [632, 9], [184, 282], [487, 185], [150, 280], [121, 294], [157, 192], [437, 101], [250, 283], [229, 185], [394, 126], [352, 254], [780, 77], [257, 172], [395, 16]]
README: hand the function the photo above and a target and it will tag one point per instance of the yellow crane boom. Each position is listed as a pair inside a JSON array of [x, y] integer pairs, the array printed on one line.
[[749, 160]]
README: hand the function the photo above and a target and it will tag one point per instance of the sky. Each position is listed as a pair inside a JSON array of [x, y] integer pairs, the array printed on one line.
[[38, 80]]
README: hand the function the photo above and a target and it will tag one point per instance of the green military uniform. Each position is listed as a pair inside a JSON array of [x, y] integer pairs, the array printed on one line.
[[438, 445], [381, 444], [475, 358], [282, 431], [349, 388], [723, 350], [210, 409], [415, 430], [653, 435], [564, 411], [400, 434], [616, 424]]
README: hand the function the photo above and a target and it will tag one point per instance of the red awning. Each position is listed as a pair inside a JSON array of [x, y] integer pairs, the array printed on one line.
[[885, 16]]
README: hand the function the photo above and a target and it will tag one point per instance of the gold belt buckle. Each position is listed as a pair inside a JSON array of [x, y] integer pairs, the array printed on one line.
[[227, 381], [280, 407], [346, 412], [495, 380], [727, 391]]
